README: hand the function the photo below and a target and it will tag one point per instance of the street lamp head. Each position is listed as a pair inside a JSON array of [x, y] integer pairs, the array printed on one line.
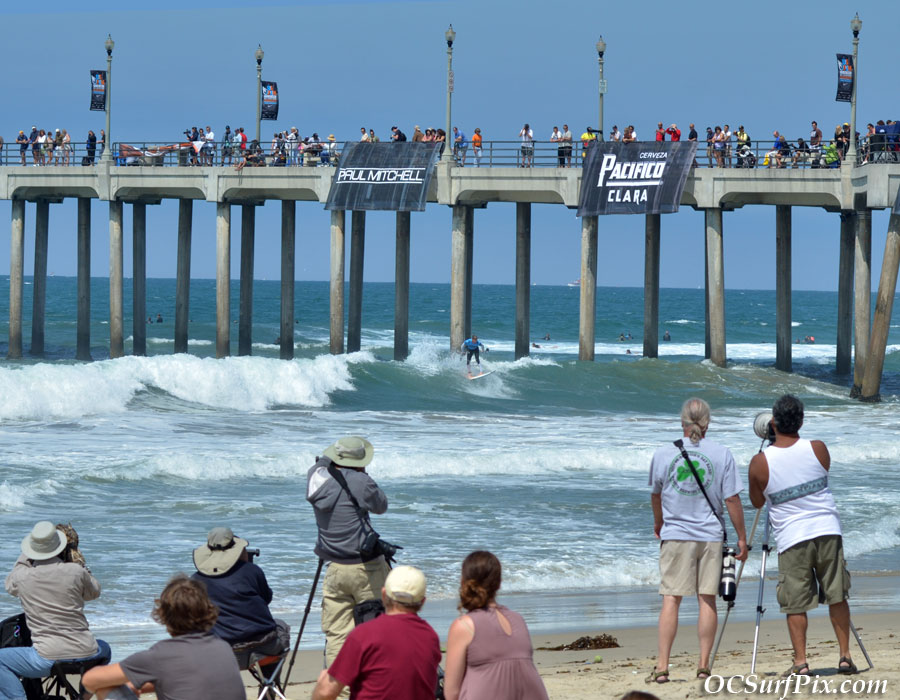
[[110, 45], [856, 25], [601, 47], [259, 55], [450, 35]]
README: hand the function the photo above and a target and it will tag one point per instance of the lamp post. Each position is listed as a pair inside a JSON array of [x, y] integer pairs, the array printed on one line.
[[259, 57], [107, 144], [449, 35], [855, 26], [601, 49]]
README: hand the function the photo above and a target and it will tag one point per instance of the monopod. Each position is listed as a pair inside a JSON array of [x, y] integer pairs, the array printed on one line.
[[312, 593], [762, 580], [731, 603]]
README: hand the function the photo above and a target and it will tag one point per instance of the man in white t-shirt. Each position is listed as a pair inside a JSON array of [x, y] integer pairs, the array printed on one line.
[[727, 134], [690, 554], [527, 136], [791, 477], [566, 139]]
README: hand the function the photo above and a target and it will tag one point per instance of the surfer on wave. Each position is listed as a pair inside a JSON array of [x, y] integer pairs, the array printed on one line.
[[473, 348]]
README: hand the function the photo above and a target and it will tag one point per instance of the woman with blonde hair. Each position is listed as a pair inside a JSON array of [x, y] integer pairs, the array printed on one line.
[[489, 652]]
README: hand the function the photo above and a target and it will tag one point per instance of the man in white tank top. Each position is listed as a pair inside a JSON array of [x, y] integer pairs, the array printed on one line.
[[791, 476]]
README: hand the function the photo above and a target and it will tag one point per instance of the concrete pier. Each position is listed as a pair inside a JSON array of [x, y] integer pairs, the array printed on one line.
[[245, 302], [338, 223], [523, 279], [783, 359], [83, 332], [223, 279], [16, 278], [706, 344], [651, 285], [716, 286], [183, 274], [845, 292], [401, 287], [470, 265], [587, 310], [139, 278], [39, 282], [288, 237], [884, 305], [116, 301], [357, 260], [862, 297], [458, 277]]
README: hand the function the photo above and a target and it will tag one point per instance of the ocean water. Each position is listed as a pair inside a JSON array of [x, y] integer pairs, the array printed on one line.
[[545, 462]]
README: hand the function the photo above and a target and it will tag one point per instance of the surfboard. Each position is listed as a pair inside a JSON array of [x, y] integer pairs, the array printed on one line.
[[483, 374]]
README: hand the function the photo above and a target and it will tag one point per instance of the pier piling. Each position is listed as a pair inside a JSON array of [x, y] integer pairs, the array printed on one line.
[[845, 292], [116, 301], [183, 274], [470, 265], [357, 260], [336, 335], [458, 277], [716, 286], [783, 360], [523, 278], [587, 311], [223, 279], [139, 278], [862, 298], [16, 279], [39, 283], [83, 332], [245, 302], [401, 287], [288, 242], [651, 285]]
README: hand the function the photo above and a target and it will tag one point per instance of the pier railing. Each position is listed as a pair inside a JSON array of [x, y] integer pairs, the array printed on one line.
[[492, 154]]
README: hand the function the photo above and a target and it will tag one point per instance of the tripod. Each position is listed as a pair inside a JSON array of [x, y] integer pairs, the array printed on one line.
[[312, 593]]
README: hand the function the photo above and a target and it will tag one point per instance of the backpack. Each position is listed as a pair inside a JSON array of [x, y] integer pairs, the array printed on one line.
[[400, 136]]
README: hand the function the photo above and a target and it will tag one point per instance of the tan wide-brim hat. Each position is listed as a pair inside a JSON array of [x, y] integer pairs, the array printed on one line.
[[43, 542], [351, 451], [220, 553]]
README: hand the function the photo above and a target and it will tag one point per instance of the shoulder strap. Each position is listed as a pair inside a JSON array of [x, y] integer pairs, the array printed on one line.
[[680, 445], [342, 482]]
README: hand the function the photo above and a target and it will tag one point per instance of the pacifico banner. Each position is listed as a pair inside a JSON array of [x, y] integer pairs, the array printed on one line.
[[98, 90], [845, 77], [383, 176], [635, 178], [269, 99]]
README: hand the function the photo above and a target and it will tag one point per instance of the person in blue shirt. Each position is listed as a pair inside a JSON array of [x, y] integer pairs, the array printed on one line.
[[472, 347]]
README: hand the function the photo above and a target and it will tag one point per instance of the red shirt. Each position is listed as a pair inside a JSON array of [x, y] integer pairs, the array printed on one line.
[[392, 656], [675, 134], [660, 135]]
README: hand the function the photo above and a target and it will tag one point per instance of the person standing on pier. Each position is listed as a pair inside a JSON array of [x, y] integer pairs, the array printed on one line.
[[527, 136]]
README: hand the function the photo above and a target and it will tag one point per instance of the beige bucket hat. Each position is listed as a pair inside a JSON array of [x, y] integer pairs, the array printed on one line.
[[220, 553], [351, 451], [43, 542]]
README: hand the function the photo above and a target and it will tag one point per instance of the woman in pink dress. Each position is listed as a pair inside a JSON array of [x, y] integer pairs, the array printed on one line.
[[489, 652]]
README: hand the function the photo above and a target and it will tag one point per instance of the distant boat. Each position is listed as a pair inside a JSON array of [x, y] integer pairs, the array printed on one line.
[[576, 283]]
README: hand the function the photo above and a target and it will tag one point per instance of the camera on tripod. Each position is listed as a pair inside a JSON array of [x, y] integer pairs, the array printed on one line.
[[251, 553], [762, 426]]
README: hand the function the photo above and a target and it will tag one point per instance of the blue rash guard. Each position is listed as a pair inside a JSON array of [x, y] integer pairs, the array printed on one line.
[[472, 345]]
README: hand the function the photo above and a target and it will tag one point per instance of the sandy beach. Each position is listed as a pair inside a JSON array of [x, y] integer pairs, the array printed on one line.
[[575, 674]]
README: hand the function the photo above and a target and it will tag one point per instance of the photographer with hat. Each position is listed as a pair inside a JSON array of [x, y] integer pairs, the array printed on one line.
[[355, 573], [395, 655], [238, 588], [791, 477], [53, 592]]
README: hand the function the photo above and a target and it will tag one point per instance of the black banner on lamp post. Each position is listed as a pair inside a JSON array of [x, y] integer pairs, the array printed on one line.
[[846, 76], [269, 99], [98, 90], [635, 178]]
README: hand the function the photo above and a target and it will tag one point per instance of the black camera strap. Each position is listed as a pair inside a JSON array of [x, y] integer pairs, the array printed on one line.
[[342, 482], [680, 445]]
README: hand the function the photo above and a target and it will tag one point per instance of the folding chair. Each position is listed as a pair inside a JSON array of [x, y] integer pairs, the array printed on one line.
[[270, 687], [57, 684]]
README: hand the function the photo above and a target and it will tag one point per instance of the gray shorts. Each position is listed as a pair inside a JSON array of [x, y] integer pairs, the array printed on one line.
[[689, 568]]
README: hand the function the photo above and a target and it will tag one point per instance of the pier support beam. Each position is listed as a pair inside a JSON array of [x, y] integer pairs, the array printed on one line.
[[16, 278], [523, 278], [862, 298], [248, 247], [357, 259], [288, 230], [116, 301], [39, 283], [458, 277], [83, 332], [715, 285], [223, 279], [401, 288], [183, 274], [884, 305], [139, 278], [470, 256], [783, 360], [587, 312], [705, 303], [338, 224], [651, 286], [845, 292]]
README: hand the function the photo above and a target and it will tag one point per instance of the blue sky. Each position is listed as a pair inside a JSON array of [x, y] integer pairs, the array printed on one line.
[[342, 65]]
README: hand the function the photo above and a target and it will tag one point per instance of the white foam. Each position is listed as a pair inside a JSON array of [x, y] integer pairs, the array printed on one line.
[[11, 497]]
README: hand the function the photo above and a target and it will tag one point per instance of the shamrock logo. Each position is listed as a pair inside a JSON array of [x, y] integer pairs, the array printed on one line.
[[685, 473]]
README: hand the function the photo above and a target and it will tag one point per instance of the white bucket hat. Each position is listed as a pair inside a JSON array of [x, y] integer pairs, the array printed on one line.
[[220, 553], [351, 451], [43, 542]]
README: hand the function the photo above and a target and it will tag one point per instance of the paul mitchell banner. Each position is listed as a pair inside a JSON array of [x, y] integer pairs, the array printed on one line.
[[98, 90], [635, 178], [383, 176], [269, 99], [845, 77]]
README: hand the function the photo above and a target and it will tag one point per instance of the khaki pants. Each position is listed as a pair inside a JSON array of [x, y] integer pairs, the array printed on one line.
[[347, 585]]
